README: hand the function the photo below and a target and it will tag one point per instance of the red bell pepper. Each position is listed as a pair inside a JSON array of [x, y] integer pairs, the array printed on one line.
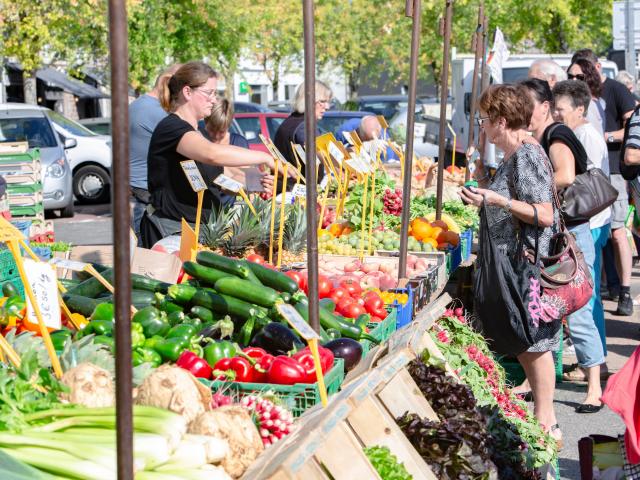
[[254, 352], [236, 369], [194, 364], [305, 358], [261, 361], [286, 371]]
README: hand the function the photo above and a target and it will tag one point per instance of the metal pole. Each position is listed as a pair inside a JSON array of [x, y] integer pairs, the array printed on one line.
[[119, 57], [444, 82], [413, 9], [630, 51], [485, 46], [477, 48], [310, 171]]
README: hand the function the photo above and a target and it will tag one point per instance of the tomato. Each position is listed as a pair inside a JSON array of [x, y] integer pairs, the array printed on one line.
[[338, 294], [353, 310], [324, 286], [255, 258], [303, 282], [295, 276], [343, 304], [376, 319], [352, 286], [373, 302]]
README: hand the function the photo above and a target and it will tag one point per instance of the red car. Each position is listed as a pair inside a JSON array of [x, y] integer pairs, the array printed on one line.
[[255, 123]]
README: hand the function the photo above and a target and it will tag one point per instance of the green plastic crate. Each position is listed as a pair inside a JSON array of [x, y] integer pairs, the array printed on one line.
[[8, 267], [20, 188], [297, 398], [30, 211], [381, 331], [26, 157]]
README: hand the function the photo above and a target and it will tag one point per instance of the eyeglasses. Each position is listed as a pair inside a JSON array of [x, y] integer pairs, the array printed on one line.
[[480, 120], [326, 102], [579, 76], [207, 93]]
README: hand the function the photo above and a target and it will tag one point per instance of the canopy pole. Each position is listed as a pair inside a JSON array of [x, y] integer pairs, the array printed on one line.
[[413, 9], [119, 56], [477, 45]]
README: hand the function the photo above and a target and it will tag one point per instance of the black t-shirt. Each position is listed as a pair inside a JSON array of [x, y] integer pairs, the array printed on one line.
[[559, 132], [171, 193], [618, 101]]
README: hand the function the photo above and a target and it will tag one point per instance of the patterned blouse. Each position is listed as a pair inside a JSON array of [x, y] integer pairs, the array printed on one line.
[[526, 176]]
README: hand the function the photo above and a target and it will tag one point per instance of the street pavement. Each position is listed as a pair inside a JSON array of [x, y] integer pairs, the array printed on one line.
[[92, 225]]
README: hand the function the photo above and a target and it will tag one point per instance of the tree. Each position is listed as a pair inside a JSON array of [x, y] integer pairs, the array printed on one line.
[[276, 38]]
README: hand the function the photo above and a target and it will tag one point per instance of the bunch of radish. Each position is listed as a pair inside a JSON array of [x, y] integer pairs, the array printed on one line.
[[273, 421]]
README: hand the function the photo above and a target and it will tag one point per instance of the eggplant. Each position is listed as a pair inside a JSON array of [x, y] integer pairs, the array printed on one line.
[[347, 349], [277, 339]]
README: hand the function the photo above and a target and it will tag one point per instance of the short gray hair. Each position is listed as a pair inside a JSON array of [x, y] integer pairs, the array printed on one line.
[[323, 91], [626, 78], [549, 68]]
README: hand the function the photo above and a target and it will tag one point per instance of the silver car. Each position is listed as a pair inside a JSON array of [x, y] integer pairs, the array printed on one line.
[[20, 122]]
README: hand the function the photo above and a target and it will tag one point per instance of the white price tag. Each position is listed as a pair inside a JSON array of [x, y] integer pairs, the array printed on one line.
[[303, 155], [347, 136], [228, 183], [68, 264], [193, 175], [335, 152], [354, 164], [42, 278], [325, 180], [296, 321], [299, 191]]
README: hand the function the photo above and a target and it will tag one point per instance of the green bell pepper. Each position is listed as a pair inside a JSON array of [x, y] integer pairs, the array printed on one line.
[[196, 322], [217, 350], [183, 331], [136, 358], [174, 318], [99, 327], [152, 320], [153, 341], [137, 335], [103, 311], [59, 338], [149, 355], [104, 340], [170, 348]]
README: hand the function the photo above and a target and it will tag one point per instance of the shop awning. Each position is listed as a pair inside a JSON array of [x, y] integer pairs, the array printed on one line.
[[54, 78]]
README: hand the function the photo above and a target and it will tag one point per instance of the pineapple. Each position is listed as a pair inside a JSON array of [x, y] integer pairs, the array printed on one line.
[[244, 233], [217, 227], [294, 243]]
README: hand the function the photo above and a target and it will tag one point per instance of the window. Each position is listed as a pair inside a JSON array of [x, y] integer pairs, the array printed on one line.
[[273, 123], [70, 126], [251, 128], [289, 91], [258, 94], [35, 130]]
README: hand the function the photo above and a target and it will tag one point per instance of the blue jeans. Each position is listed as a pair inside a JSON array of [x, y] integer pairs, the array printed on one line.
[[582, 328], [600, 236]]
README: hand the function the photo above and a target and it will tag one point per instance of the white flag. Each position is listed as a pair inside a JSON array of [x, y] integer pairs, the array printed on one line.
[[498, 56]]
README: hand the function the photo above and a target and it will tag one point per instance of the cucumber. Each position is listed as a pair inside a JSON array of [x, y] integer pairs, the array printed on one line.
[[208, 275], [225, 304], [68, 283], [274, 279], [182, 293], [92, 287], [80, 304], [234, 267], [251, 276], [247, 291], [202, 313], [139, 298]]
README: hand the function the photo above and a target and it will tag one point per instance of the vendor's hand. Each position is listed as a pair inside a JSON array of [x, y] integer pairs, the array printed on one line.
[[267, 183], [476, 196]]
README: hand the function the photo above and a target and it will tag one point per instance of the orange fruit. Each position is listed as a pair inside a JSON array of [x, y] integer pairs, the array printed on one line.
[[435, 232], [335, 229], [346, 231], [421, 230], [440, 223]]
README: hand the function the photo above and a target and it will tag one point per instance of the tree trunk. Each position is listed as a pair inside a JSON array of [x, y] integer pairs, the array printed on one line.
[[353, 84], [30, 92], [275, 82]]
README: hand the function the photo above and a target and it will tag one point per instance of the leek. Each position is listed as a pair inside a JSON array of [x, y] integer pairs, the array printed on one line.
[[188, 455], [216, 448]]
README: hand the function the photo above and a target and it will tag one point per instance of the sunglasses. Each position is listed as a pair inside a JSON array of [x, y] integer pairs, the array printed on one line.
[[480, 120], [579, 76]]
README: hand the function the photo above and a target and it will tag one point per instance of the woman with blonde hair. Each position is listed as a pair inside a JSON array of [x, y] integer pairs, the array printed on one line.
[[189, 97]]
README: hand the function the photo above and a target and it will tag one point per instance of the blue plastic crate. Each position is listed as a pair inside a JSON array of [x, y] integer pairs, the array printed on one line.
[[24, 226], [404, 313], [466, 241], [43, 253], [454, 258]]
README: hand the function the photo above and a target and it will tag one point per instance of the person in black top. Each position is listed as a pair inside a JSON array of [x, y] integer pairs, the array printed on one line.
[[189, 96], [619, 107], [292, 129]]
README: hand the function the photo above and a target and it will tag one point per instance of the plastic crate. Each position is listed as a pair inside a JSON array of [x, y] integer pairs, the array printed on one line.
[[27, 211], [43, 253], [515, 373], [381, 331], [24, 226], [404, 313], [297, 398], [31, 155], [454, 258], [8, 267], [24, 188], [466, 241]]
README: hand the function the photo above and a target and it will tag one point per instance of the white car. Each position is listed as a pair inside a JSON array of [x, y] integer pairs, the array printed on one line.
[[90, 161]]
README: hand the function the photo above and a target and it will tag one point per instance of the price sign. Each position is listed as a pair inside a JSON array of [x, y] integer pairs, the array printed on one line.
[[299, 191], [335, 152], [302, 154], [228, 183], [68, 264], [44, 284], [354, 164], [297, 322], [9, 232], [193, 175], [325, 180], [347, 136]]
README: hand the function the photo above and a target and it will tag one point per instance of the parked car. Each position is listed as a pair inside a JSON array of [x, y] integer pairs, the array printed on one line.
[[90, 162], [283, 106], [332, 120], [249, 107], [99, 125], [21, 122], [388, 105], [254, 124]]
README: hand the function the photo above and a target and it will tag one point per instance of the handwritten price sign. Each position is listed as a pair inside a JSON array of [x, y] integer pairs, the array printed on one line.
[[228, 183], [42, 278], [193, 175]]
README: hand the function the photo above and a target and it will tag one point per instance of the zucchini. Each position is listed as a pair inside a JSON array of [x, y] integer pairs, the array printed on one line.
[[68, 283], [202, 313], [274, 279], [225, 304], [164, 304], [229, 265], [80, 304], [247, 291], [139, 298], [182, 293], [251, 276], [208, 275], [90, 287], [84, 275]]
